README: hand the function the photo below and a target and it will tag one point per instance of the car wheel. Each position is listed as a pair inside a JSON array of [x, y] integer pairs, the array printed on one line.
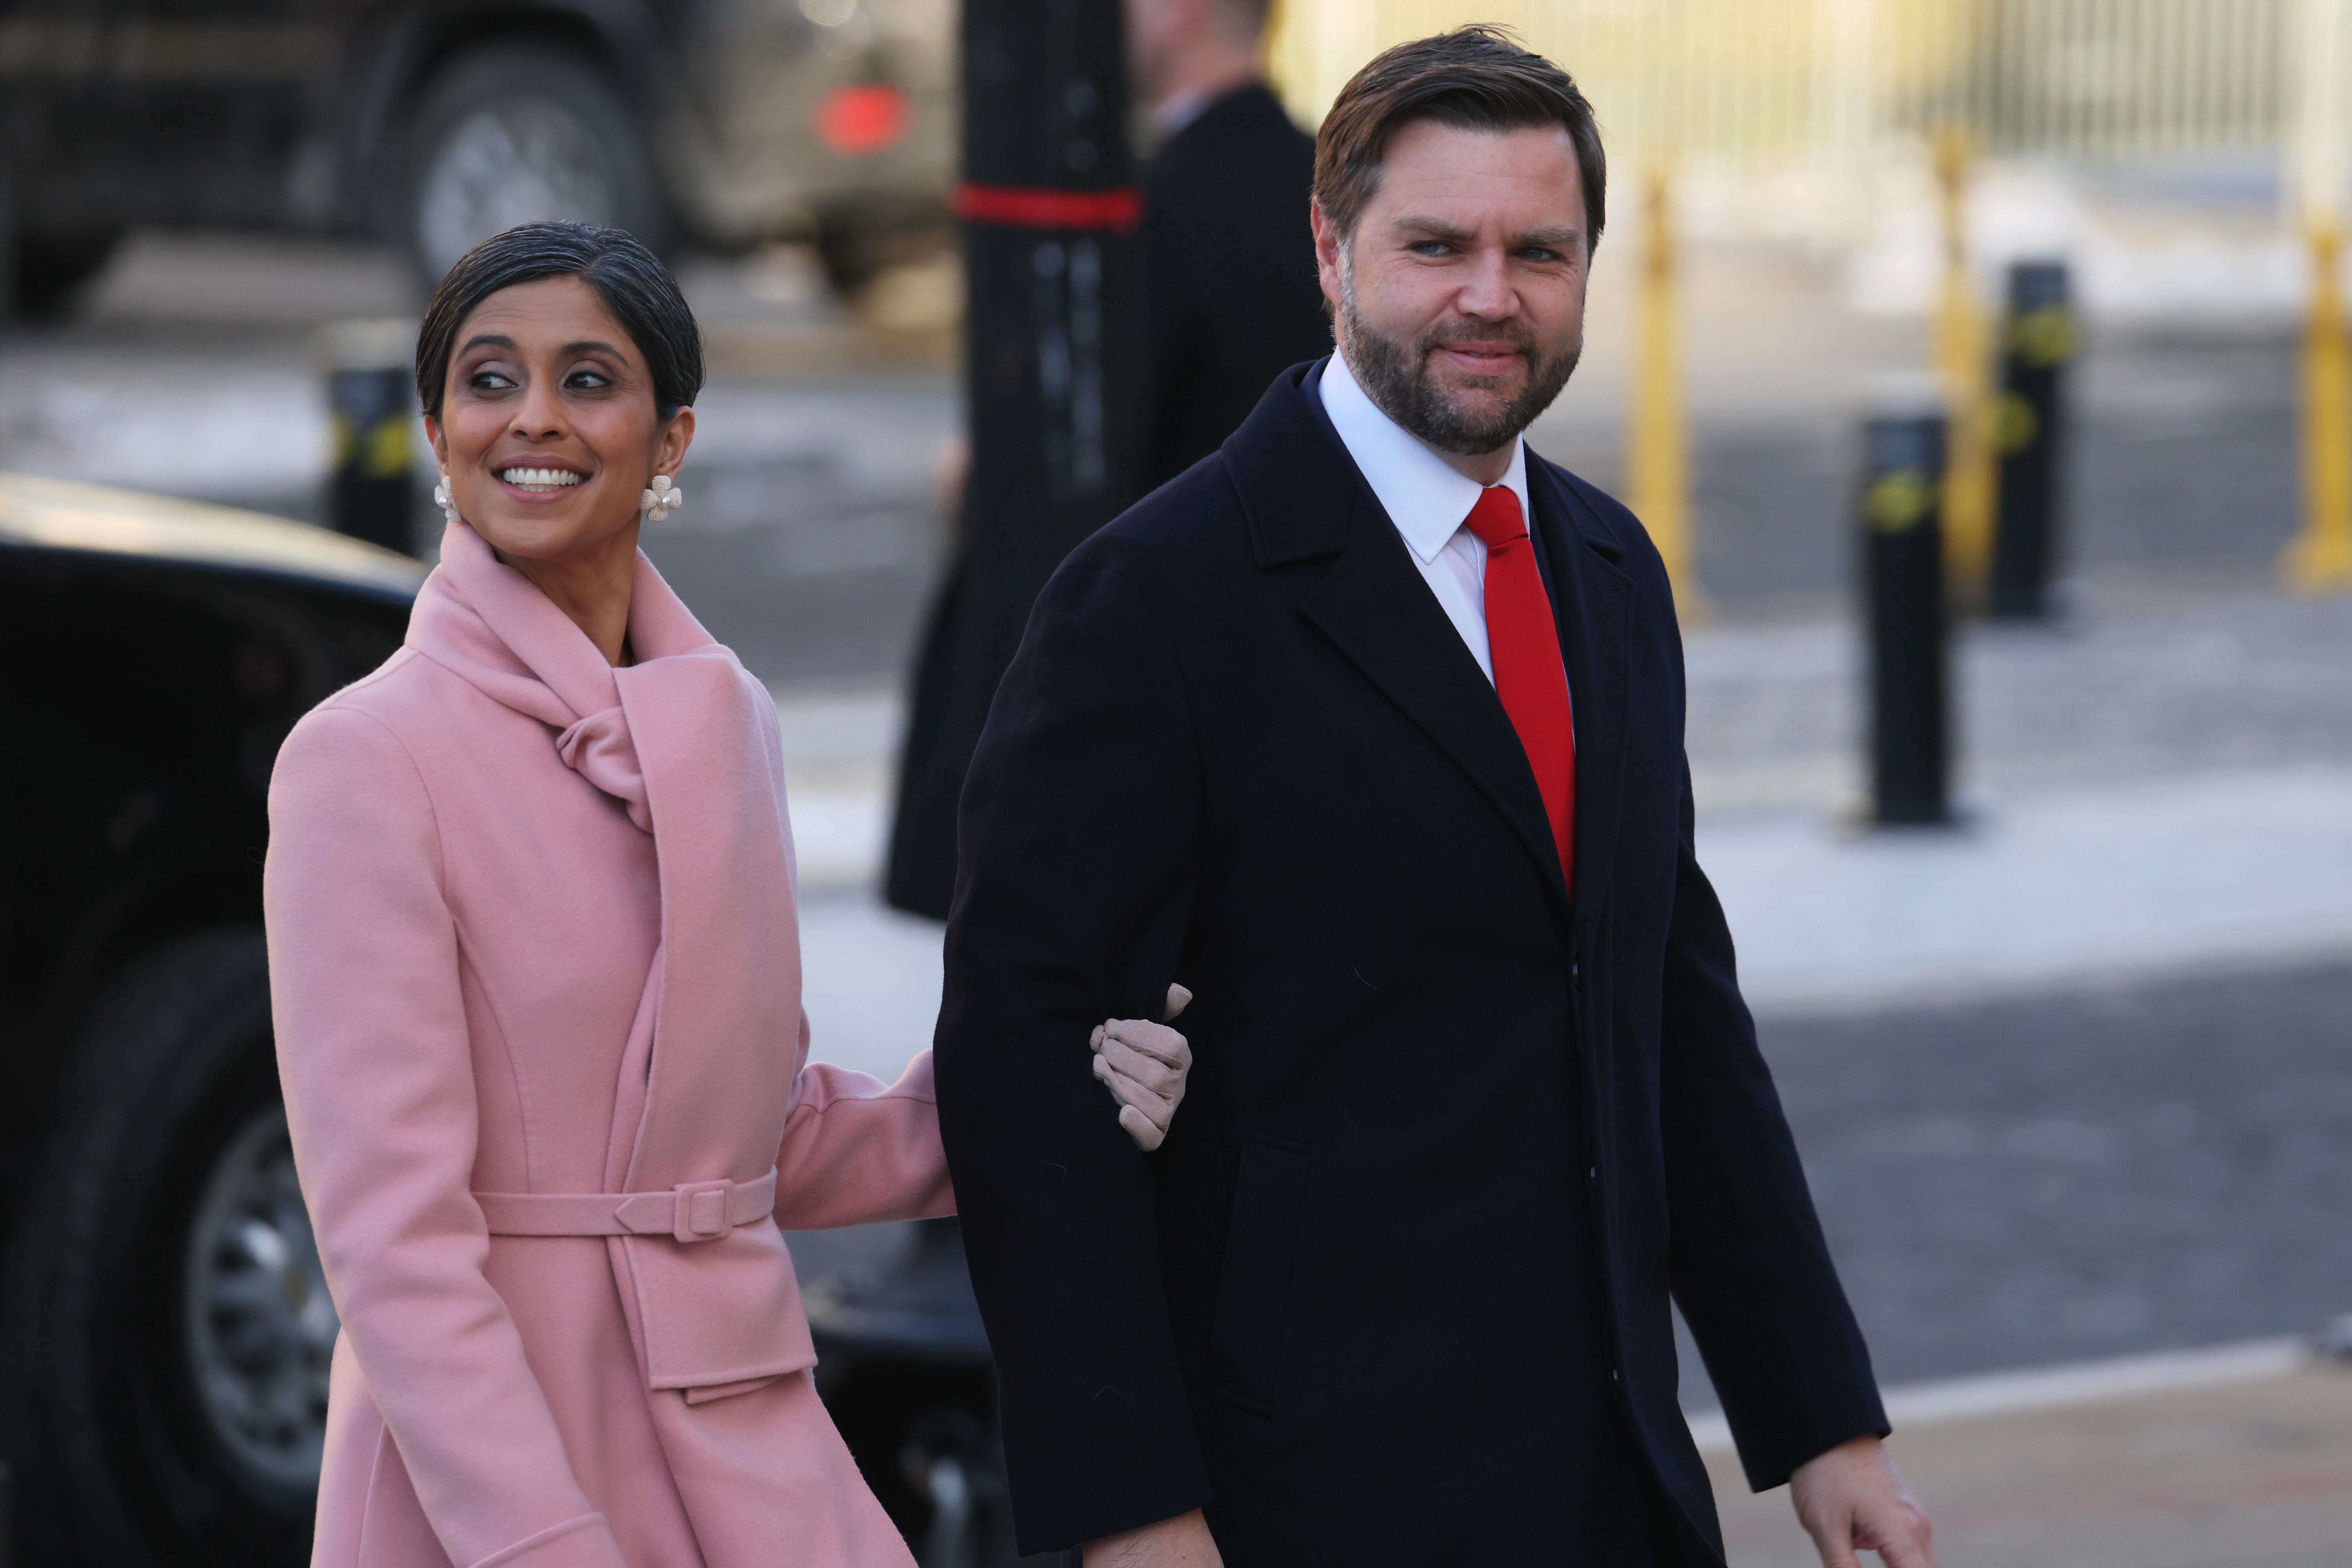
[[170, 1326], [511, 133]]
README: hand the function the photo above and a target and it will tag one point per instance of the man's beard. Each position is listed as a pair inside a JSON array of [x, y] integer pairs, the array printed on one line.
[[1398, 379]]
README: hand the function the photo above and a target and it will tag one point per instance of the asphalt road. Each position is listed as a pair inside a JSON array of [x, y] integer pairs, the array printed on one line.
[[2083, 1174]]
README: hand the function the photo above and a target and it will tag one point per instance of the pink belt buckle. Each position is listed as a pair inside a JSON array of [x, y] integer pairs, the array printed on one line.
[[701, 1213]]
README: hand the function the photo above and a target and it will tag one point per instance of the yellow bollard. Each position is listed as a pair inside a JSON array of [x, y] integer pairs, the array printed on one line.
[[1657, 446], [1962, 360], [2319, 558]]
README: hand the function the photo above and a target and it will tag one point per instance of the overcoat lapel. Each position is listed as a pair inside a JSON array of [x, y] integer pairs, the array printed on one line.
[[1303, 498], [1592, 599], [1378, 608]]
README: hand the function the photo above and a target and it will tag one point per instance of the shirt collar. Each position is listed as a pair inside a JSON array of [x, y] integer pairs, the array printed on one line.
[[1425, 498]]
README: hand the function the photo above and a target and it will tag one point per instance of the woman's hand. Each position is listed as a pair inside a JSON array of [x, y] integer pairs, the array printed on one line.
[[1144, 1065]]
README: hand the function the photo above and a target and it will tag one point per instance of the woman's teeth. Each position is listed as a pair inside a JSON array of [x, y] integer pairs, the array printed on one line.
[[540, 479]]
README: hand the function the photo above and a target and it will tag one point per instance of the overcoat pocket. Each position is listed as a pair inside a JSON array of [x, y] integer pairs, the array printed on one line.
[[1253, 1286]]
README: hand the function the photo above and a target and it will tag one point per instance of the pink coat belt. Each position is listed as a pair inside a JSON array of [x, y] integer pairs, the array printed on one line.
[[690, 1211]]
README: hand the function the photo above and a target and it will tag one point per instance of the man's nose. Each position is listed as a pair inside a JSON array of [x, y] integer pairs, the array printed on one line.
[[1487, 292]]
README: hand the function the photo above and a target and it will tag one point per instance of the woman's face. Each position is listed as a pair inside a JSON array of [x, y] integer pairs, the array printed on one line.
[[548, 429]]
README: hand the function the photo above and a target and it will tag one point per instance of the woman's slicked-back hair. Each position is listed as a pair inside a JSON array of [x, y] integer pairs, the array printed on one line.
[[630, 279], [1473, 79]]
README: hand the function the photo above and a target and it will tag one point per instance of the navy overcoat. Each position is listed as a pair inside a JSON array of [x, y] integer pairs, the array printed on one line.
[[1395, 1289]]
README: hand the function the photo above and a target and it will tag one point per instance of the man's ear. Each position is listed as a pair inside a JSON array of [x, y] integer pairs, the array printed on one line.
[[1328, 244]]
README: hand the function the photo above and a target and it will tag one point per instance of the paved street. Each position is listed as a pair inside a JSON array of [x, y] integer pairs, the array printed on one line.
[[2252, 1469]]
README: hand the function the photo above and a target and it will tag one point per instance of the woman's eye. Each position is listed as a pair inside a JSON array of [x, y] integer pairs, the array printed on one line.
[[490, 380], [587, 379]]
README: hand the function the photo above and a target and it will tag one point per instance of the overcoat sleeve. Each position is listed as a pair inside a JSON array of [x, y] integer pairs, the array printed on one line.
[[1751, 1271], [378, 1070], [1079, 846], [857, 1151]]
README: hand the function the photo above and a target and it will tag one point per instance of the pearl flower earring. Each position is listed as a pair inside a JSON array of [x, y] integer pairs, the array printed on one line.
[[662, 500], [444, 499]]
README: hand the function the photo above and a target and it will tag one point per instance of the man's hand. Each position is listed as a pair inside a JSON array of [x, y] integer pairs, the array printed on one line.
[[1144, 1064], [1180, 1542], [1851, 1500]]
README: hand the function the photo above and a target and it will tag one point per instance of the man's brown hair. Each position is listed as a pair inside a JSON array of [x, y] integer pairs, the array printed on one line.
[[1473, 79]]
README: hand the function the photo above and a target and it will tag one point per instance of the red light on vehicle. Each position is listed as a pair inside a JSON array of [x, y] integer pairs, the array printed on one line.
[[865, 117]]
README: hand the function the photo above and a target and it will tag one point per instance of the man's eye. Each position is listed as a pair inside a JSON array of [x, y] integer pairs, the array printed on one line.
[[1431, 247], [1538, 253]]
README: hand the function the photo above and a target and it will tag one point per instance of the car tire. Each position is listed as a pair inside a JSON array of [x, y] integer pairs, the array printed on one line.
[[169, 1326], [510, 132]]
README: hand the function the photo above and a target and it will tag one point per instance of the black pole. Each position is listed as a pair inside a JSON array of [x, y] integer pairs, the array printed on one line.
[[372, 393], [2030, 426], [1902, 589], [1049, 208]]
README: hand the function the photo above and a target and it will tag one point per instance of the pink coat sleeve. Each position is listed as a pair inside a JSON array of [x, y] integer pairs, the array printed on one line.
[[857, 1150], [375, 1055]]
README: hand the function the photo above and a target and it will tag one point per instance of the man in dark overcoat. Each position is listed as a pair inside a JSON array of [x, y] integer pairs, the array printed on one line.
[[1230, 298], [1369, 730]]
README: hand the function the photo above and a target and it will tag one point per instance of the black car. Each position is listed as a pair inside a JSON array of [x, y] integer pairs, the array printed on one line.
[[166, 1327], [439, 122]]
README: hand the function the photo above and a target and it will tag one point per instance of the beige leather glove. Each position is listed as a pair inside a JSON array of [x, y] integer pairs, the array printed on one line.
[[1143, 1064]]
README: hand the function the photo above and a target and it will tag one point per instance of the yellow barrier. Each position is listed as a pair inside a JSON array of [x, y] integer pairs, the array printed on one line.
[[1657, 450], [1962, 360], [2319, 558]]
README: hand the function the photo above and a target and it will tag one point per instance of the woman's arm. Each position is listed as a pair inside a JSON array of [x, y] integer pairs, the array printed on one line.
[[856, 1151], [375, 1055]]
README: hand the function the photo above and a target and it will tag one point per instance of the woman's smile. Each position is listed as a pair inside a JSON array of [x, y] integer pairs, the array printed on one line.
[[541, 481]]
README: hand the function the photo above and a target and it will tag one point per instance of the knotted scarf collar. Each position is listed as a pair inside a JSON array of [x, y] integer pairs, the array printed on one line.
[[490, 624]]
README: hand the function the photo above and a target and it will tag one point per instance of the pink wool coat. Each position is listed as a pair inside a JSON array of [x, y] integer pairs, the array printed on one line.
[[536, 974]]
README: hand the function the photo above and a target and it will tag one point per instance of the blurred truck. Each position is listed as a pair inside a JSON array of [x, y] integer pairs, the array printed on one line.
[[435, 123]]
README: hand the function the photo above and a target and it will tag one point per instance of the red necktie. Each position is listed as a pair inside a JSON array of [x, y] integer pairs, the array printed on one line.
[[1524, 643]]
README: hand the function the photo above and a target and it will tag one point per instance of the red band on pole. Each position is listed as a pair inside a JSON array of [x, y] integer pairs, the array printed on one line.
[[1038, 209]]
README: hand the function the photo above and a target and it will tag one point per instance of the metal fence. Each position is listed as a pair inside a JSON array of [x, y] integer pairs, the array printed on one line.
[[1766, 84]]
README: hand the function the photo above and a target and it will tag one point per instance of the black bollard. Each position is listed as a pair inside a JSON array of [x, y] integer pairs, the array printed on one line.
[[1903, 592], [1049, 211], [371, 392], [2029, 431]]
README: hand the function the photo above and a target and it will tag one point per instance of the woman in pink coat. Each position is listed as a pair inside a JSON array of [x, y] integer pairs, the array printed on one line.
[[536, 974]]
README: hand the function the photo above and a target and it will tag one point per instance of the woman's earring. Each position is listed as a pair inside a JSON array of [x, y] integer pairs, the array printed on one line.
[[443, 498], [662, 500]]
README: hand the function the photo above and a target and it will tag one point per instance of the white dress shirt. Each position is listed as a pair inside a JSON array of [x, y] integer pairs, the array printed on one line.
[[1426, 500]]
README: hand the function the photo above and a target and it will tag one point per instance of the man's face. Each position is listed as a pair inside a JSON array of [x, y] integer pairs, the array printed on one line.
[[1460, 297]]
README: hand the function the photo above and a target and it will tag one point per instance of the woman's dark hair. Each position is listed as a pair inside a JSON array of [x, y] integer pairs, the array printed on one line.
[[1473, 79], [630, 279]]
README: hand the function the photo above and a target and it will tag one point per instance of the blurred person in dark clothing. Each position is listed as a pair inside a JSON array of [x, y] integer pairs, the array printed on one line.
[[1230, 297]]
